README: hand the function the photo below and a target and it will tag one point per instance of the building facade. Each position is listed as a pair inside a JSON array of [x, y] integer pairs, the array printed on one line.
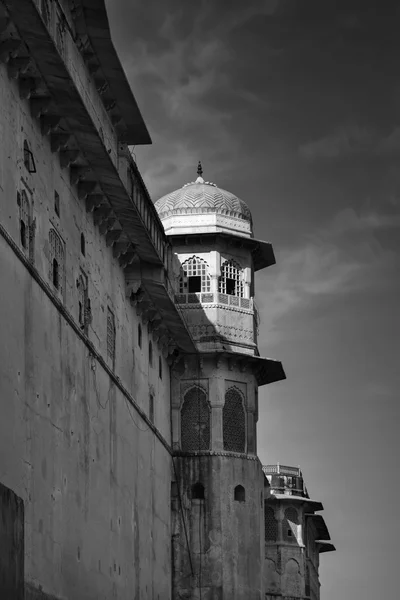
[[129, 367]]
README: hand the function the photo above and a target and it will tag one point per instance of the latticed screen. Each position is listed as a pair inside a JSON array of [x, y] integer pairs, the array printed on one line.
[[231, 280], [195, 277], [110, 335], [195, 421], [234, 422], [271, 525], [291, 524], [56, 260]]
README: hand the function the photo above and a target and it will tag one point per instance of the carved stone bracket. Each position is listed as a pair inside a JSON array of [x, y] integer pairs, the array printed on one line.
[[101, 214], [77, 173], [9, 48], [39, 106], [18, 65], [113, 236], [94, 201], [120, 248], [68, 157], [107, 224], [49, 123], [58, 141], [85, 188], [27, 85]]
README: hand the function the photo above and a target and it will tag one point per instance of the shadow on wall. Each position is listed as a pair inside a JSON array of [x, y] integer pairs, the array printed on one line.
[[11, 545]]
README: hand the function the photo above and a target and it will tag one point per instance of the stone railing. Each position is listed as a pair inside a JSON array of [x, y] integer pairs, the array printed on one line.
[[215, 298], [282, 470]]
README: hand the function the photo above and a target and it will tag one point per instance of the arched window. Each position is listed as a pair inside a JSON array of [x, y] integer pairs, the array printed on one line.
[[271, 525], [290, 525], [231, 280], [150, 354], [234, 422], [83, 245], [29, 161], [84, 308], [111, 334], [195, 421], [198, 491], [56, 260], [24, 219], [240, 494], [139, 335], [195, 277]]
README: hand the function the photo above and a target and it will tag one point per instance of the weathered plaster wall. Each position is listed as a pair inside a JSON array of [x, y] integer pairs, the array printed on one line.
[[94, 477], [224, 535], [106, 282]]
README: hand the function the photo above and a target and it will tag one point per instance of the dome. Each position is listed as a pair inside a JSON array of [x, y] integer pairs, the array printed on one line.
[[201, 206]]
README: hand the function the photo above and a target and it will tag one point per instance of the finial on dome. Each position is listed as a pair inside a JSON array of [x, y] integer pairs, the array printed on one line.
[[199, 173]]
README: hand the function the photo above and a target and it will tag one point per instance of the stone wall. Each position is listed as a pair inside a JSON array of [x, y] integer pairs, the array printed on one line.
[[76, 441]]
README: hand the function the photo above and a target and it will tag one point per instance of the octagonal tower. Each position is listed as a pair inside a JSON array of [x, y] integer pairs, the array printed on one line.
[[218, 502]]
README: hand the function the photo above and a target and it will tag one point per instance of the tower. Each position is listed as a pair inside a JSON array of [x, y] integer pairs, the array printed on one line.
[[295, 536], [218, 483]]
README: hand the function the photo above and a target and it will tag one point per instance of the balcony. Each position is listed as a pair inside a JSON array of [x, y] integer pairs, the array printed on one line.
[[224, 300]]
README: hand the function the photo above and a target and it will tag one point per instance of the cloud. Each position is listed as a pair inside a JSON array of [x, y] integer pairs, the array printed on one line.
[[346, 141], [349, 141], [336, 261]]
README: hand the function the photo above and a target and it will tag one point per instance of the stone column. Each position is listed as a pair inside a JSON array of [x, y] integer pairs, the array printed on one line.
[[217, 397], [251, 441]]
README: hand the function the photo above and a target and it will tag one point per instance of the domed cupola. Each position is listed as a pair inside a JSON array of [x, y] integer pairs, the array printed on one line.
[[202, 207]]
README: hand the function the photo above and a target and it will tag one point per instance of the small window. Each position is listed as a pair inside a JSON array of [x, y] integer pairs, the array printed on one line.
[[289, 533], [240, 494], [57, 204], [160, 367], [24, 219], [23, 234], [56, 274], [83, 249], [111, 336], [29, 161], [150, 354], [56, 260], [194, 285], [198, 491], [139, 335], [151, 408]]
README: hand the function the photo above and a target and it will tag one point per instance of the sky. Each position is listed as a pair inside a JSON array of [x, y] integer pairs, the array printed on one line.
[[295, 107]]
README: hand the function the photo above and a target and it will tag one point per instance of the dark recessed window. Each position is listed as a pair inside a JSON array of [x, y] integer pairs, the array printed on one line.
[[240, 494], [57, 204], [139, 335], [230, 287], [194, 285], [151, 408], [22, 228], [160, 367], [290, 533], [29, 161], [198, 491], [56, 274], [83, 243]]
